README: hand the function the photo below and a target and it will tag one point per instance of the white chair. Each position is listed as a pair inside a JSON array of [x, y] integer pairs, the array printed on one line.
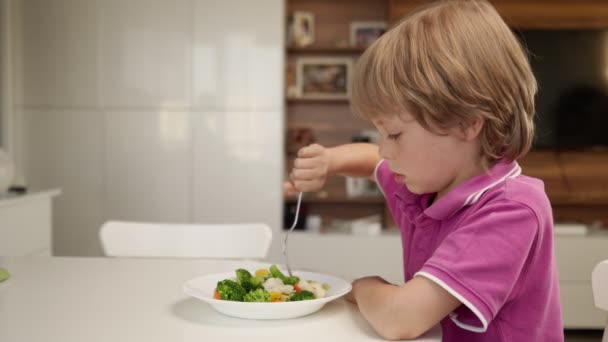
[[599, 283], [139, 239]]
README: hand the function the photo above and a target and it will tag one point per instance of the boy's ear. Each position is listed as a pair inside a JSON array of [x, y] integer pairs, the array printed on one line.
[[471, 131]]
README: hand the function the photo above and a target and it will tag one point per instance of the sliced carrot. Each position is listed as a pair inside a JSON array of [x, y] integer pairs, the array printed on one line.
[[216, 295], [297, 288]]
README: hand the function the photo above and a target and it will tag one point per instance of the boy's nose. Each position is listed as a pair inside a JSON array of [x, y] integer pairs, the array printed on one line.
[[382, 150]]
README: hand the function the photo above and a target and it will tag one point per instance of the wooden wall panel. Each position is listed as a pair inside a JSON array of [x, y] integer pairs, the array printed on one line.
[[587, 214], [545, 165], [587, 176], [576, 183], [533, 14], [560, 14]]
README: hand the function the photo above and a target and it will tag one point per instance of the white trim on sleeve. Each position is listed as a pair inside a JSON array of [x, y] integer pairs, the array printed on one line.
[[463, 300], [376, 175]]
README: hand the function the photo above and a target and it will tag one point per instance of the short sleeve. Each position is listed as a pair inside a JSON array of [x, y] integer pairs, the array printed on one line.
[[481, 261]]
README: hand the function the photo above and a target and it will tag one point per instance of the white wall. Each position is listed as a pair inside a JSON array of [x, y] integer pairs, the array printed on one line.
[[154, 110]]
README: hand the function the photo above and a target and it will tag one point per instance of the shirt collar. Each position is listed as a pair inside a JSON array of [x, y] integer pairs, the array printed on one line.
[[470, 191]]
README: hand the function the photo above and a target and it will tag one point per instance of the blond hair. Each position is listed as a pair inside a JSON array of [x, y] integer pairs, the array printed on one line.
[[449, 64]]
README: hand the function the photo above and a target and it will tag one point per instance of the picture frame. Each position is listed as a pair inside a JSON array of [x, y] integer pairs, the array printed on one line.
[[323, 78], [302, 29], [364, 33]]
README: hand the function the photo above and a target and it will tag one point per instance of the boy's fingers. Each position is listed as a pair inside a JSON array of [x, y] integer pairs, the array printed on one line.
[[310, 151], [306, 174], [305, 163], [289, 189], [307, 186]]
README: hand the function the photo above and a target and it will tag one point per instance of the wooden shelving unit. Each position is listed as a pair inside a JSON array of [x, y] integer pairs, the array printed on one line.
[[331, 120]]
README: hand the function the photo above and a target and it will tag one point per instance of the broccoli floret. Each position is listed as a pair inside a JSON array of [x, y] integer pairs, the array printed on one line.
[[258, 295], [246, 280], [291, 280], [230, 290], [302, 295], [274, 270], [253, 283], [242, 274]]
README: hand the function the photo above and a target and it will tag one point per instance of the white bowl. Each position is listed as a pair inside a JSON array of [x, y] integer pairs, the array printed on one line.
[[202, 288]]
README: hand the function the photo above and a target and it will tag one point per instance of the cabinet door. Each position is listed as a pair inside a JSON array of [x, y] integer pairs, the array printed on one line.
[[533, 14], [25, 226]]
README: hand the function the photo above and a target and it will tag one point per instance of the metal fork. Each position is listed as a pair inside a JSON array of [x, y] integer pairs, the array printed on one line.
[[295, 221]]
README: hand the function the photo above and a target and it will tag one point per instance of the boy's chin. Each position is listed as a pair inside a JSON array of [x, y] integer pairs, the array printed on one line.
[[417, 190], [413, 188]]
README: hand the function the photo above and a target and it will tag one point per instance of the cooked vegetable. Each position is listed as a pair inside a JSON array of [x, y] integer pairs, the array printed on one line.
[[303, 295], [230, 290], [262, 275], [246, 280], [315, 287], [268, 285], [275, 296], [274, 270], [276, 285], [258, 295]]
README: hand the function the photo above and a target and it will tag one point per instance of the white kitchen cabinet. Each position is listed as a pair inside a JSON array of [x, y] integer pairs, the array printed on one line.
[[26, 223], [576, 256]]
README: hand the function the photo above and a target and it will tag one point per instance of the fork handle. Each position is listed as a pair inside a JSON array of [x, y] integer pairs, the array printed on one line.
[[295, 221]]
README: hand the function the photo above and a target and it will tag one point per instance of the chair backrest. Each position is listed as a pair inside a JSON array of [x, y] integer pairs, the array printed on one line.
[[599, 283], [139, 239]]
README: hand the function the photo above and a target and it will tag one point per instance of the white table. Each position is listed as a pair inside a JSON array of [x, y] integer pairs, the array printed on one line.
[[55, 299]]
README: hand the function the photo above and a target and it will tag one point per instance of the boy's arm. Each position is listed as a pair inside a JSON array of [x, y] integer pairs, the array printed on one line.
[[315, 163], [354, 160], [402, 312]]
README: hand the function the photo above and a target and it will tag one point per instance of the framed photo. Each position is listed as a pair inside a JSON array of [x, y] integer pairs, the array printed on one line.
[[323, 78], [364, 33], [302, 29]]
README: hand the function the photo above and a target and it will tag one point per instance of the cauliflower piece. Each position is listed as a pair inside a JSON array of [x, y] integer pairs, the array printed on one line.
[[315, 287], [276, 285]]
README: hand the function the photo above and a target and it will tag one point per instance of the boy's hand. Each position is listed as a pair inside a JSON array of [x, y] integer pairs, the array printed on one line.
[[365, 281], [310, 170]]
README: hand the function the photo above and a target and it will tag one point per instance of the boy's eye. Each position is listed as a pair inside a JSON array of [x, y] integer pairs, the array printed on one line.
[[394, 136]]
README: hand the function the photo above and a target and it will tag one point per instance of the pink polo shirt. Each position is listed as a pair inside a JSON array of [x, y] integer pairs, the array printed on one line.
[[488, 242]]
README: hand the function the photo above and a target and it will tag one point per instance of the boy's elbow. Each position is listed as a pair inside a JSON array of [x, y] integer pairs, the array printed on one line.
[[401, 332]]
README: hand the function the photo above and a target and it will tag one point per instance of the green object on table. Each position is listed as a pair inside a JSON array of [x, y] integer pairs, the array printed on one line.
[[4, 275]]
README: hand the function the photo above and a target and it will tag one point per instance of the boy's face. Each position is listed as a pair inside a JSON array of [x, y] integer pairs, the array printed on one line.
[[424, 161]]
